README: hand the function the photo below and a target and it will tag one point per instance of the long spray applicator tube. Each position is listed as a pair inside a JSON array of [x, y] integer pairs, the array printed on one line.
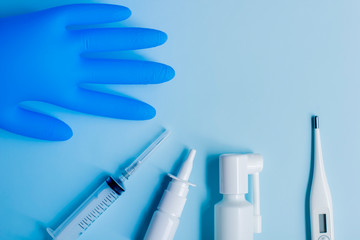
[[321, 209], [166, 218]]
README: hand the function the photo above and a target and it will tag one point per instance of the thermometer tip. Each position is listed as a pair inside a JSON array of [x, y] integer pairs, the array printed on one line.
[[316, 122]]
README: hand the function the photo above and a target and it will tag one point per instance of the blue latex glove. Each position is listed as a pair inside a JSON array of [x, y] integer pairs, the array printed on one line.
[[40, 60]]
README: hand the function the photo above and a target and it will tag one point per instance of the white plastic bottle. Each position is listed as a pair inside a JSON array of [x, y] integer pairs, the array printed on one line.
[[236, 218], [165, 221]]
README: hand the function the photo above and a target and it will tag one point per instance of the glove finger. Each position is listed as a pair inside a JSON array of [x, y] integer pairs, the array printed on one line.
[[116, 39], [36, 125], [79, 14], [115, 71], [107, 105]]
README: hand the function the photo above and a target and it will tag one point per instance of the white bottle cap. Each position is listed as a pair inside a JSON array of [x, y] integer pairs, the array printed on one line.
[[234, 170]]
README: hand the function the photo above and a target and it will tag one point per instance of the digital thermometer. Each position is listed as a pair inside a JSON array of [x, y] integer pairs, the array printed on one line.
[[321, 209]]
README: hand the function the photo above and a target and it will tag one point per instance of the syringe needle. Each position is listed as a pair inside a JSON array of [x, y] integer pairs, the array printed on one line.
[[145, 154]]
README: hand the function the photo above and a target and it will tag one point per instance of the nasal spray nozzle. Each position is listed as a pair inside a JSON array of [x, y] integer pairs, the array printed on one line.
[[245, 219]]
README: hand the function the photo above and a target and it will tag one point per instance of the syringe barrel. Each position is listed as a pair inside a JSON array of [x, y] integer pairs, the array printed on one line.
[[92, 208]]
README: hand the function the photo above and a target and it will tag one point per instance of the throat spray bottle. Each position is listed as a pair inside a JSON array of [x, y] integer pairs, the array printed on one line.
[[236, 218]]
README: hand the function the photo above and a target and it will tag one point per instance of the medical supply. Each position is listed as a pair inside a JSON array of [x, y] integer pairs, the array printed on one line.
[[321, 209], [100, 200], [165, 220], [45, 57], [236, 218]]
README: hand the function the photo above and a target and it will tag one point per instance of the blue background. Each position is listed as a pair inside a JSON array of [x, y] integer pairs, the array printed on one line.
[[249, 76]]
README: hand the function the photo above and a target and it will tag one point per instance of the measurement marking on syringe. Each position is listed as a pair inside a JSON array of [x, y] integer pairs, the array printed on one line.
[[86, 225], [94, 213], [83, 227], [105, 203]]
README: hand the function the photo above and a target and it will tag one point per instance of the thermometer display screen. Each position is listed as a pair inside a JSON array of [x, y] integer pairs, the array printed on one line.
[[322, 223]]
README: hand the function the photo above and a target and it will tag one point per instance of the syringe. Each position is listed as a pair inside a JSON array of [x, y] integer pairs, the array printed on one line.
[[101, 199]]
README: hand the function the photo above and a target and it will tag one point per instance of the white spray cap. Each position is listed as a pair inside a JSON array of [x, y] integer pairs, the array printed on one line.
[[234, 171]]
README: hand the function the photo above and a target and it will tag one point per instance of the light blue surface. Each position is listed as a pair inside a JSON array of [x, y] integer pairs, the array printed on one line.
[[249, 75]]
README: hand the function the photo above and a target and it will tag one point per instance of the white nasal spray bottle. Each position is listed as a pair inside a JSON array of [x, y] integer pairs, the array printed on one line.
[[236, 218], [166, 218]]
